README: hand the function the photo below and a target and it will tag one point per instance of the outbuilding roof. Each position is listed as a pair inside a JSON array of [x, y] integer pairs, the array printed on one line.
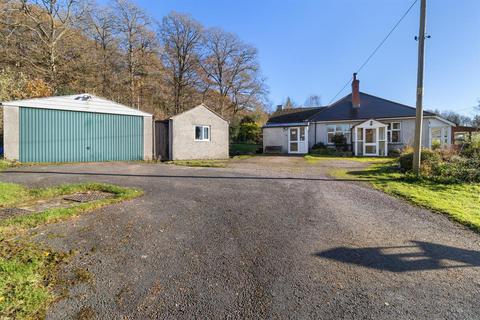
[[78, 102], [202, 105]]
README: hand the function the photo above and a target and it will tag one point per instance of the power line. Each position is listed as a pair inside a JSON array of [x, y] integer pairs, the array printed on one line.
[[376, 49]]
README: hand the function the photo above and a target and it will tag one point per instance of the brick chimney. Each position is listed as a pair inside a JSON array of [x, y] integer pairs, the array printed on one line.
[[355, 92]]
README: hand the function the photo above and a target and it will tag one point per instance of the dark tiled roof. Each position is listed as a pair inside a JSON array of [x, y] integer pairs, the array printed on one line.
[[371, 107], [293, 115]]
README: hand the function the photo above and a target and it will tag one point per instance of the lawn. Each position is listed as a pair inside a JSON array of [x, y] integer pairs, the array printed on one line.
[[315, 158], [461, 202], [28, 269]]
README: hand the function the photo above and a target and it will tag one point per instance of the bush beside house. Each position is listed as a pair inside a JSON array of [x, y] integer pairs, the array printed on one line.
[[246, 137], [447, 165], [340, 147]]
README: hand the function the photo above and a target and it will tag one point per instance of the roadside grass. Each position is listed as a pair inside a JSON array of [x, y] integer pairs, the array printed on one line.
[[316, 158], [27, 277], [28, 269], [10, 194], [461, 202], [200, 163], [243, 156], [5, 164]]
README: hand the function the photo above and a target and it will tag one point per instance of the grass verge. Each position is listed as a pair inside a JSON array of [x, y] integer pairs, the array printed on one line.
[[28, 269], [5, 164], [459, 201], [200, 163], [316, 158], [243, 156]]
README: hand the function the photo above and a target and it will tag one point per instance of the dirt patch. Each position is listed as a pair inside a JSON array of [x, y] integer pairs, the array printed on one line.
[[64, 201], [85, 313]]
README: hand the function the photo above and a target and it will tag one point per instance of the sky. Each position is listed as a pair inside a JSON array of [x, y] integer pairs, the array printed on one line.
[[313, 46]]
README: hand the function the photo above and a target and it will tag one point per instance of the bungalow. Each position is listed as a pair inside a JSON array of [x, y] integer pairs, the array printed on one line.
[[373, 126]]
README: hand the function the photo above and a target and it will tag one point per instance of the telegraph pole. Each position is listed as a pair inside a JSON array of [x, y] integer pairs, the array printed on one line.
[[419, 105]]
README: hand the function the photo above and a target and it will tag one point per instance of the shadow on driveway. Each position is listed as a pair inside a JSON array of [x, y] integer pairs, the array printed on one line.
[[418, 256]]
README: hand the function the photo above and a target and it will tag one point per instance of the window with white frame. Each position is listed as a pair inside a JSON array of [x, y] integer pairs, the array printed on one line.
[[333, 129], [202, 133], [439, 137], [394, 132]]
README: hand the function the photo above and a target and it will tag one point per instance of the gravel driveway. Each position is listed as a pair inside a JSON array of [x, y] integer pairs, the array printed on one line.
[[266, 237]]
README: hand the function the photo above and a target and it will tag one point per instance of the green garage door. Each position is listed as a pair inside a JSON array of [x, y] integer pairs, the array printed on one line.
[[69, 136]]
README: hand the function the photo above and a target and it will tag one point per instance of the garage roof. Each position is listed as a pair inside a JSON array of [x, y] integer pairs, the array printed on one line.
[[78, 102]]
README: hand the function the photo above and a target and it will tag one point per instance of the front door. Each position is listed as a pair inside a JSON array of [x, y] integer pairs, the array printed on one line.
[[298, 140], [370, 146], [370, 138]]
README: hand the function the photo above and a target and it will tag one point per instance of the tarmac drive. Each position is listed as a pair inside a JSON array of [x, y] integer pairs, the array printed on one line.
[[266, 237]]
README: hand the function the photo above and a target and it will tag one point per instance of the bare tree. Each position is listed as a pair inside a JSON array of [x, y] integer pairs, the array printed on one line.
[[248, 94], [313, 100], [48, 21], [289, 104], [100, 25], [71, 46], [476, 121], [455, 117], [180, 36], [137, 41], [231, 68]]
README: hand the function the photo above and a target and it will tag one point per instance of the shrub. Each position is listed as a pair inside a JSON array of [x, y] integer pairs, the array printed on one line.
[[429, 158], [394, 153], [249, 132], [472, 148], [339, 140], [445, 166], [319, 145], [447, 154], [436, 145], [324, 151], [332, 152], [458, 169]]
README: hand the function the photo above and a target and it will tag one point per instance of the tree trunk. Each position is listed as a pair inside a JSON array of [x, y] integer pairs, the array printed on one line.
[[53, 68]]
